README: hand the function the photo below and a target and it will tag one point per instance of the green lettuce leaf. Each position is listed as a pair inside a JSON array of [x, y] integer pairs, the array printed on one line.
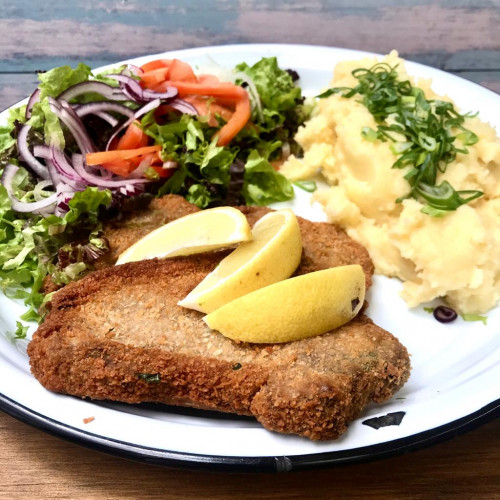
[[55, 81], [199, 195], [279, 112], [21, 330], [7, 140], [28, 244], [276, 88], [112, 71], [204, 173], [87, 203], [263, 184], [44, 120]]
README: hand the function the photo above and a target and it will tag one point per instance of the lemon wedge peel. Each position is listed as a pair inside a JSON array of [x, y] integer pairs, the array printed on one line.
[[198, 232], [272, 255], [294, 309]]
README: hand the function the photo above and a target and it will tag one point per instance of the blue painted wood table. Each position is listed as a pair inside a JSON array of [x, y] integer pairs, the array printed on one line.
[[459, 36]]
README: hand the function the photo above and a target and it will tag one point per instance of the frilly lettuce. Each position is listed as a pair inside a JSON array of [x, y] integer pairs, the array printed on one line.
[[29, 244], [204, 174]]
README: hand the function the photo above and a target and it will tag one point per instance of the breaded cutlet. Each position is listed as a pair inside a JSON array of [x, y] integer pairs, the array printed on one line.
[[324, 245], [123, 232], [119, 327], [118, 334]]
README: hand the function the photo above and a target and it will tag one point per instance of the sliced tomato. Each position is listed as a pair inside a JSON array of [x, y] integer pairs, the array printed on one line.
[[133, 138], [164, 173], [206, 106], [156, 64], [181, 72]]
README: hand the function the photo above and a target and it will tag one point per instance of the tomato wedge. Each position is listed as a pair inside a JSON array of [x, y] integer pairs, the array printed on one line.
[[196, 89], [133, 138], [156, 64], [207, 107]]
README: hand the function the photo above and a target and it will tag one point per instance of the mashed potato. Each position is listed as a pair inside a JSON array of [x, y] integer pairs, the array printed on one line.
[[455, 256]]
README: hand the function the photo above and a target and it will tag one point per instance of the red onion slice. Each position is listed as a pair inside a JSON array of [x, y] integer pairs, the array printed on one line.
[[129, 86], [183, 106], [64, 195], [61, 179], [62, 172], [62, 165], [170, 93], [132, 69], [54, 175], [107, 91], [38, 190], [37, 207], [132, 87], [101, 109], [75, 125], [34, 98], [26, 156], [107, 118], [41, 151], [58, 179], [132, 190], [99, 171]]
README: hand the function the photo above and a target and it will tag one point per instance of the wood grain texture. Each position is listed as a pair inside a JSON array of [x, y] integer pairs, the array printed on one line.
[[36, 465], [444, 33], [457, 36]]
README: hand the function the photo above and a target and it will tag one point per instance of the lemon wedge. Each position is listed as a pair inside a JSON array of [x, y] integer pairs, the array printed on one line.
[[194, 233], [272, 255], [293, 309]]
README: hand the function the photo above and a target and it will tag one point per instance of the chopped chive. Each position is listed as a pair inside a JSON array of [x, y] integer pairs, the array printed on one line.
[[427, 126], [309, 186], [475, 317], [369, 134], [152, 378]]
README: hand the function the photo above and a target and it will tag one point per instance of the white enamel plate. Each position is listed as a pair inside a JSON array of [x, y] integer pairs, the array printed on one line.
[[453, 385]]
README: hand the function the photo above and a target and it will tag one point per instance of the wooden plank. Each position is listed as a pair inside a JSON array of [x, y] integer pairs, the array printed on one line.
[[36, 465], [14, 87], [488, 79], [461, 35]]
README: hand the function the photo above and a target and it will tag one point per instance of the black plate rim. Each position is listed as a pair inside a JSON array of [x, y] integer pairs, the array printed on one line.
[[177, 459]]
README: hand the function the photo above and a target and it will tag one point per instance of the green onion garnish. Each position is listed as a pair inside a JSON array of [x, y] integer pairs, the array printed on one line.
[[427, 126], [475, 317], [152, 378], [309, 186]]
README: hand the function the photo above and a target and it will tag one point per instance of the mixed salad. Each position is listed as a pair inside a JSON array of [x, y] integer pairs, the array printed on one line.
[[87, 146]]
